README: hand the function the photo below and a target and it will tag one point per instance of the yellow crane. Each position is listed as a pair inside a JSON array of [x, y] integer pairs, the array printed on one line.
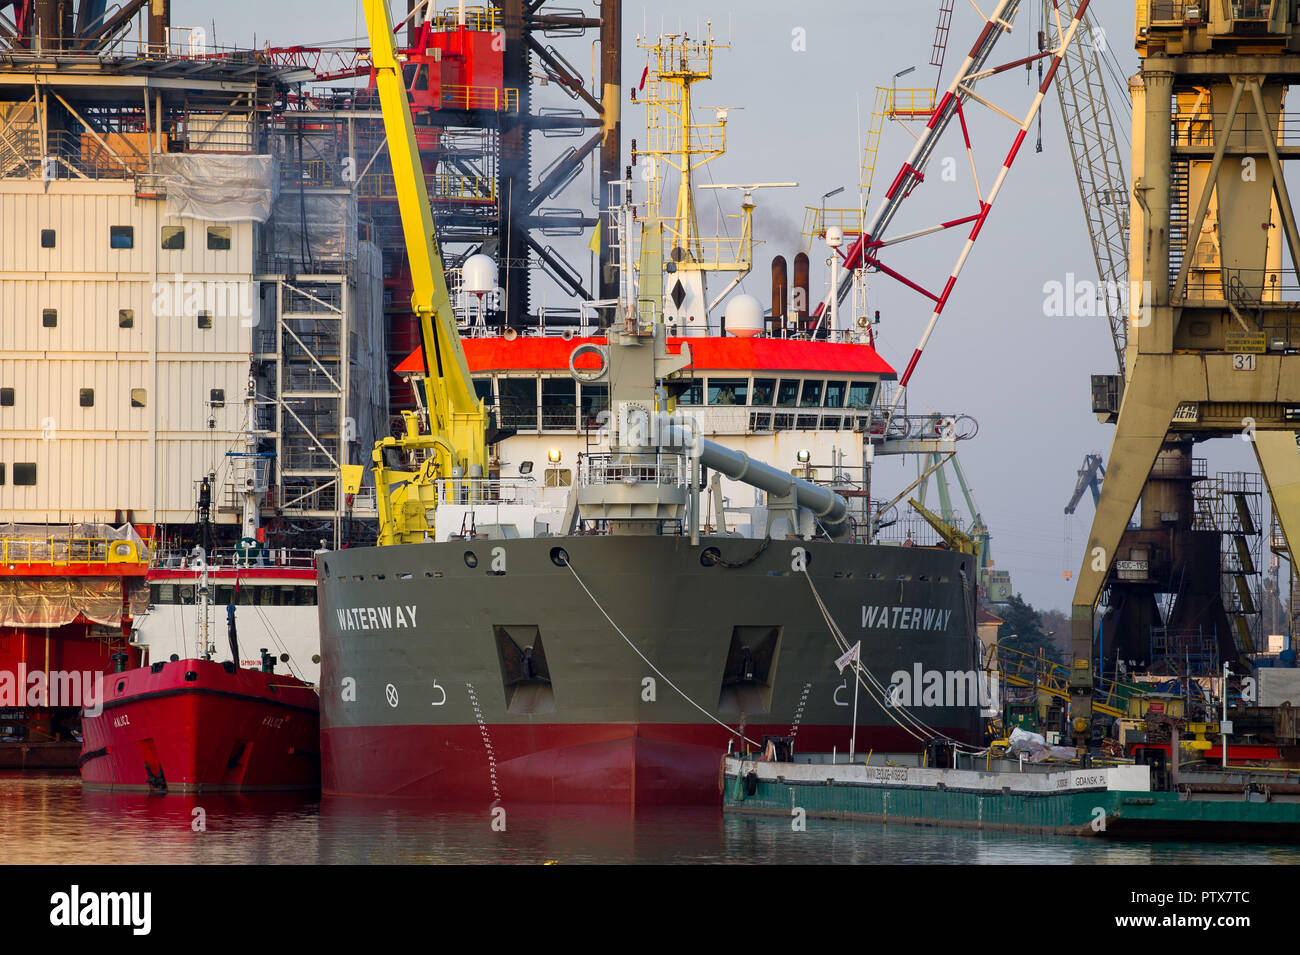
[[457, 434], [955, 539]]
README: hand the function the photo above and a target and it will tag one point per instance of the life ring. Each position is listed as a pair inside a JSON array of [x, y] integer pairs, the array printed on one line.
[[589, 348]]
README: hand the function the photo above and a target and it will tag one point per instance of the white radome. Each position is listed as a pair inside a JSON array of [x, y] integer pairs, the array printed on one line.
[[744, 317], [479, 274]]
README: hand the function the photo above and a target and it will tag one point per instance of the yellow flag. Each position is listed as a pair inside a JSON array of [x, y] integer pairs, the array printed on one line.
[[594, 244], [352, 475]]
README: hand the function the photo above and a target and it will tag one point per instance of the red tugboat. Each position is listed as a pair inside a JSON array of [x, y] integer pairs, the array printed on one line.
[[201, 726], [198, 725]]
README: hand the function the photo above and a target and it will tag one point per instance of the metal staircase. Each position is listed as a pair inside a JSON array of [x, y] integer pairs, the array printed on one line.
[[1017, 668]]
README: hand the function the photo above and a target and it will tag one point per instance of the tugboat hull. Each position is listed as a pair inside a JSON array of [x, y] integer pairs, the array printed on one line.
[[199, 726]]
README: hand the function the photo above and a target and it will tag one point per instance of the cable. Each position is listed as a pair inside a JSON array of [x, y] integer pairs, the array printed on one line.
[[569, 564], [872, 685], [878, 692], [275, 638]]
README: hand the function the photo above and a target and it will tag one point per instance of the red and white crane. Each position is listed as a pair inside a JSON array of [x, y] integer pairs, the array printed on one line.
[[867, 249]]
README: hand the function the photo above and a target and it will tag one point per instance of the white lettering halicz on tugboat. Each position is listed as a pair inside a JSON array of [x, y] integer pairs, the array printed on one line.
[[392, 617], [906, 618]]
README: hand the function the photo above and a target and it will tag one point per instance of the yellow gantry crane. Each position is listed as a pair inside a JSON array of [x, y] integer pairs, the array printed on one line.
[[458, 421]]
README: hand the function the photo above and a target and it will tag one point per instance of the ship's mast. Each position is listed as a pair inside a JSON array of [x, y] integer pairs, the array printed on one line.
[[199, 561], [650, 475], [675, 140]]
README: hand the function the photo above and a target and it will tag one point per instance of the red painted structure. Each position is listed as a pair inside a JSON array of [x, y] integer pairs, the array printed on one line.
[[201, 726], [707, 354], [637, 764], [46, 632]]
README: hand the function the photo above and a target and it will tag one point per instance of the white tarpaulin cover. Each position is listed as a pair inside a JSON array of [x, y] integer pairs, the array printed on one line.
[[331, 225], [49, 602], [220, 188], [1036, 748]]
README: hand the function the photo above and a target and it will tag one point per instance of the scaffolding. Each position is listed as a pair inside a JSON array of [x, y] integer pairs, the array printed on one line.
[[322, 405], [1184, 654], [1231, 505]]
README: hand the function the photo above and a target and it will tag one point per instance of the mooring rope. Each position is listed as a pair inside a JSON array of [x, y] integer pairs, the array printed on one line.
[[875, 689], [682, 693]]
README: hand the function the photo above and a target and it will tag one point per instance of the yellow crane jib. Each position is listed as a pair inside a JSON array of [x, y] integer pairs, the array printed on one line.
[[456, 441], [955, 539]]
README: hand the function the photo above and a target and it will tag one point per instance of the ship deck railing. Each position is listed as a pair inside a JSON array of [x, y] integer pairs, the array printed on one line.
[[1019, 669], [72, 550], [277, 558], [658, 467], [491, 492]]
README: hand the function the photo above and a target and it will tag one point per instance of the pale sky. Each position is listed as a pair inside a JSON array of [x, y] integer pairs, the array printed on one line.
[[995, 355]]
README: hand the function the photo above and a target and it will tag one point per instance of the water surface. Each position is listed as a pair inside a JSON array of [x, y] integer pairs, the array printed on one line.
[[47, 818]]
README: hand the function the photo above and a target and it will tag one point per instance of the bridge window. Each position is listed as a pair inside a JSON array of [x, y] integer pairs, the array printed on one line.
[[835, 394], [595, 399], [764, 390], [728, 391], [787, 394], [812, 394], [559, 403], [518, 403], [483, 388], [860, 394], [694, 393]]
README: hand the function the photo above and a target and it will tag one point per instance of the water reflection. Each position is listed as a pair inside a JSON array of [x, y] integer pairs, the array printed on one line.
[[50, 819]]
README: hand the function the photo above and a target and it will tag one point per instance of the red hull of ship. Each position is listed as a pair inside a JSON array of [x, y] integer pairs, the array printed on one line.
[[218, 731], [647, 764]]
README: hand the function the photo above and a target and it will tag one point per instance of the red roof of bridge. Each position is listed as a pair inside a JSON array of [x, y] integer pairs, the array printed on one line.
[[709, 354]]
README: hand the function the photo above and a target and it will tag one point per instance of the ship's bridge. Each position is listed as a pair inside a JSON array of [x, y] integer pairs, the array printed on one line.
[[782, 390], [804, 405]]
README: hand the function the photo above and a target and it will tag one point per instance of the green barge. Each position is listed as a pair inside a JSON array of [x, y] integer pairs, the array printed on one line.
[[1113, 801]]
